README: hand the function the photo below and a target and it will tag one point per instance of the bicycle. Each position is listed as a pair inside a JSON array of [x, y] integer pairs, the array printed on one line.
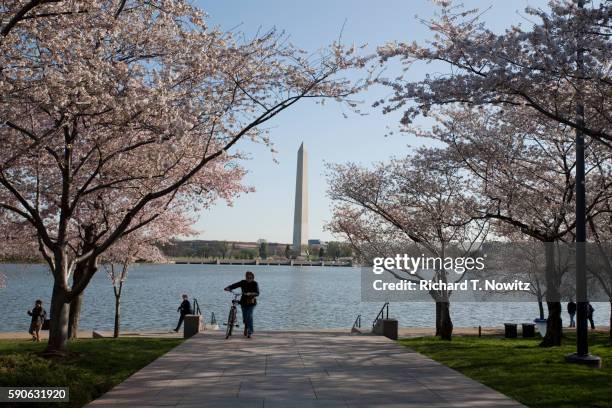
[[231, 318]]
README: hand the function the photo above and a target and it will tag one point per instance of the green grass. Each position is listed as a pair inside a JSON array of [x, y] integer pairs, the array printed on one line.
[[93, 367], [537, 377]]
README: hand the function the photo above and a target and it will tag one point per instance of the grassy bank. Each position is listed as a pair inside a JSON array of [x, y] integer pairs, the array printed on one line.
[[94, 365], [537, 377]]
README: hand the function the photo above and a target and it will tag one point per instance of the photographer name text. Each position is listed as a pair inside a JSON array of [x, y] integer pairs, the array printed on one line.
[[471, 284]]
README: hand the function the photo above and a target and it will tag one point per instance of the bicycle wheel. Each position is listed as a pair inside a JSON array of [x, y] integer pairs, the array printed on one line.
[[231, 320]]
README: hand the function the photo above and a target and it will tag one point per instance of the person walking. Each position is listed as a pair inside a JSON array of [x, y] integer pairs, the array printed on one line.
[[185, 309], [571, 310], [248, 300], [590, 310], [38, 318]]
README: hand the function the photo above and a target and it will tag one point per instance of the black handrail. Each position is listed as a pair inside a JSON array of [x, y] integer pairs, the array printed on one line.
[[196, 307], [381, 314], [356, 324]]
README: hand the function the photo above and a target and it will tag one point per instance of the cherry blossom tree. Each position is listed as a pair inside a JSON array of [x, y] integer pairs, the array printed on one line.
[[142, 245], [16, 11], [112, 118], [558, 69], [518, 257], [14, 14], [523, 171], [536, 67], [418, 202]]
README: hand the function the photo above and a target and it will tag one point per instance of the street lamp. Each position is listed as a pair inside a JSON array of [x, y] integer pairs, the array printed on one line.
[[581, 356]]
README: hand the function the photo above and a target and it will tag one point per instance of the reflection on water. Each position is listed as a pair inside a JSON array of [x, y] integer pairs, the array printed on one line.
[[291, 298]]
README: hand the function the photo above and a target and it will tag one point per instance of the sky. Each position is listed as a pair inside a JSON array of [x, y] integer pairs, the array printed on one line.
[[328, 137]]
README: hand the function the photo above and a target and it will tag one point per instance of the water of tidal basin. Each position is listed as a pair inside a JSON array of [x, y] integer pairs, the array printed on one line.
[[291, 298]]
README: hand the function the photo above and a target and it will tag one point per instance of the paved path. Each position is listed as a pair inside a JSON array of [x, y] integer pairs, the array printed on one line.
[[298, 369]]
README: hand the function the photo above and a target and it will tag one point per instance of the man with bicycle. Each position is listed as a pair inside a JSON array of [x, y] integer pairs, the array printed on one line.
[[248, 300]]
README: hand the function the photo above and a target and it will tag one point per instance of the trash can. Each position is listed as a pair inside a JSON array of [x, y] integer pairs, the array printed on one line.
[[510, 330], [528, 330], [192, 325], [389, 328]]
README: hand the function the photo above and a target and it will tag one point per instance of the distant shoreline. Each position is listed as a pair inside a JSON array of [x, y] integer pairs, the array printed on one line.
[[402, 332], [266, 262], [234, 262]]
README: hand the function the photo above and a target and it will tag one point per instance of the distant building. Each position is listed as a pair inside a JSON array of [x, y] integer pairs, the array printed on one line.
[[244, 245]]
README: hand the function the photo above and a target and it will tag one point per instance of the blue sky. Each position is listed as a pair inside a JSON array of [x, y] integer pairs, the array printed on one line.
[[327, 135]]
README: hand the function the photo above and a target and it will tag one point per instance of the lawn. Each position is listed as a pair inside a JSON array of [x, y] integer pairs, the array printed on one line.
[[94, 365], [537, 377]]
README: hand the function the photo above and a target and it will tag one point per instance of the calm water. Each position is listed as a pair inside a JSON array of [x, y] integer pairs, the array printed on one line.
[[291, 298]]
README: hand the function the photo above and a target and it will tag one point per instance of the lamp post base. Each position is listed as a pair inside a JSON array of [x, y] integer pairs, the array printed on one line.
[[588, 360]]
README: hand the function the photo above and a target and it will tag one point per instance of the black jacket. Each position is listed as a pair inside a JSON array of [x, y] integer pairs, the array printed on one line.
[[185, 307], [571, 308], [590, 310], [246, 287], [38, 314]]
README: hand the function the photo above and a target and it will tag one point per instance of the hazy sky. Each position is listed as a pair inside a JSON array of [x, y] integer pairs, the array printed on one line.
[[327, 135]]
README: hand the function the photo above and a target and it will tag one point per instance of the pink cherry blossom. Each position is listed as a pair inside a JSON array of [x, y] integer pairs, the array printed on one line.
[[114, 113]]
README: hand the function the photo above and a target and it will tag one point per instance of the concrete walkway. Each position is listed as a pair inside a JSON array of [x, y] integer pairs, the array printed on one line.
[[298, 369]]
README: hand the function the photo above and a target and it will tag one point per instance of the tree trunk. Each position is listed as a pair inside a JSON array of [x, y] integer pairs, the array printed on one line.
[[117, 291], [438, 317], [541, 307], [75, 306], [58, 328], [74, 316], [446, 324], [117, 315], [554, 328], [610, 328]]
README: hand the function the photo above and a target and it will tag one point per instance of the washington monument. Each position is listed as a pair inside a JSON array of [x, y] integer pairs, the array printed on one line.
[[300, 216]]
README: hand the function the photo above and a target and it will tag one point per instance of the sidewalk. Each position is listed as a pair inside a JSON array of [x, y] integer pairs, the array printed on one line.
[[298, 369]]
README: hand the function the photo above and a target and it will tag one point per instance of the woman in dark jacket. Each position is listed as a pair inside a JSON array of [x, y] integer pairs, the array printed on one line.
[[248, 300], [38, 318]]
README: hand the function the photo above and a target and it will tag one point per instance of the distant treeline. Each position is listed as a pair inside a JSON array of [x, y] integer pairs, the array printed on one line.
[[250, 250], [329, 251]]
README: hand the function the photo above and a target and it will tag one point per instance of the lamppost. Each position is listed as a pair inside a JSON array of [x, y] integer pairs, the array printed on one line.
[[582, 355]]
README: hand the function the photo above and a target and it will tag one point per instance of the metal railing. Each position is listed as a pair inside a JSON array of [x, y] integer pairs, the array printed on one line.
[[356, 325], [381, 314], [197, 311], [196, 307]]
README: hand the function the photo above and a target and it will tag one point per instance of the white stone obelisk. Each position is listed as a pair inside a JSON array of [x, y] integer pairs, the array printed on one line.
[[300, 216]]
